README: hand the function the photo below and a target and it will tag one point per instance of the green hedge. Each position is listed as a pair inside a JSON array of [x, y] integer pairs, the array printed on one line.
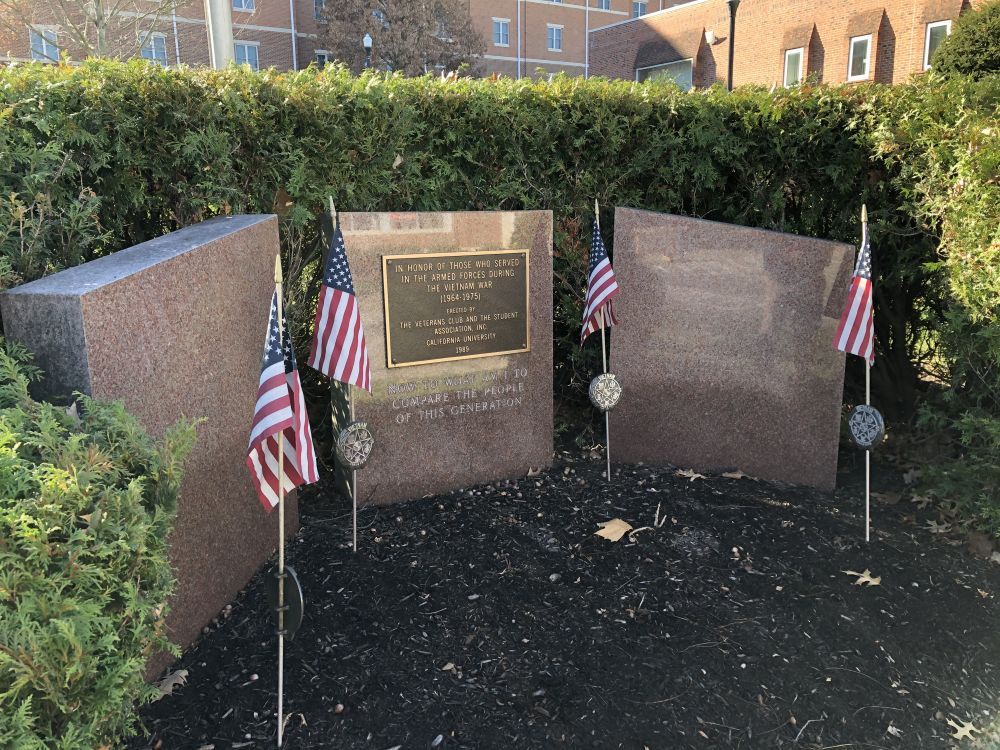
[[973, 47], [104, 155], [86, 503]]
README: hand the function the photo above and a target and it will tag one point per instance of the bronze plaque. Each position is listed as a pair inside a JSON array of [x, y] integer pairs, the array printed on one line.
[[447, 306]]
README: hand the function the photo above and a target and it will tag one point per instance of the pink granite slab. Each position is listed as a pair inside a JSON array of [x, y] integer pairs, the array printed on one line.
[[174, 328], [724, 347], [449, 425]]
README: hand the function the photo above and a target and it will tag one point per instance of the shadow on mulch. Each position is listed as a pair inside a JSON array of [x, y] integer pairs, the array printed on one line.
[[494, 618]]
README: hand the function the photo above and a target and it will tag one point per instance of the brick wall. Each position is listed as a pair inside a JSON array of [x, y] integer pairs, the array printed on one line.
[[765, 29]]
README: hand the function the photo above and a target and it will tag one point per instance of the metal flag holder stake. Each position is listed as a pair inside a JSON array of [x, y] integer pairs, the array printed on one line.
[[865, 422], [288, 608], [605, 391], [355, 441]]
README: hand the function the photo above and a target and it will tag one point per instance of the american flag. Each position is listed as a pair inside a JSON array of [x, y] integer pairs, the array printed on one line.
[[601, 288], [280, 413], [856, 332], [338, 349]]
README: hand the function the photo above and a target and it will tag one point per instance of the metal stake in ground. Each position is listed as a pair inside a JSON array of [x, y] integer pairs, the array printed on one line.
[[605, 391], [354, 443], [281, 524]]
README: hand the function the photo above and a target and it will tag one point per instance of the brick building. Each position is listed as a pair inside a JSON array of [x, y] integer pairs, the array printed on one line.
[[266, 33], [521, 36], [776, 41]]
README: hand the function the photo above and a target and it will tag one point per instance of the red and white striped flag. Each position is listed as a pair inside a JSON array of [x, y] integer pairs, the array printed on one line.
[[856, 332], [280, 414], [338, 349], [601, 288]]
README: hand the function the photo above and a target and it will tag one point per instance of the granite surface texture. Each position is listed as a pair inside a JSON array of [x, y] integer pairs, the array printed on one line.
[[724, 348], [457, 423], [174, 328]]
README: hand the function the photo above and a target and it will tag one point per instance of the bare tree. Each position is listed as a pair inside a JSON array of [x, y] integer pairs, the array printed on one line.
[[411, 36], [88, 28]]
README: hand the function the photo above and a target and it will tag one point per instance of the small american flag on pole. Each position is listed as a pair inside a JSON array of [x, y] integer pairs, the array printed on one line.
[[601, 288], [338, 349], [280, 414], [856, 332]]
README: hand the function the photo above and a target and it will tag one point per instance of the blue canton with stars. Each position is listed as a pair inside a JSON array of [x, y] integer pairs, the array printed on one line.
[[597, 250], [863, 268], [274, 351], [338, 273]]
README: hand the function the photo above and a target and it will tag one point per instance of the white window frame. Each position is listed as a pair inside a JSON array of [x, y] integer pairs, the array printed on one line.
[[688, 60], [550, 36], [604, 4], [50, 47], [147, 39], [317, 53], [501, 25], [637, 5], [867, 39], [802, 59], [245, 6], [927, 39], [256, 45]]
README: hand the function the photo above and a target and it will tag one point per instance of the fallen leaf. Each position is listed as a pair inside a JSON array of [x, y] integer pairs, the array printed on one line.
[[962, 731], [894, 730], [534, 472], [397, 161], [887, 498], [864, 578], [449, 667], [737, 475], [938, 528], [613, 530], [173, 680], [689, 474], [984, 594], [922, 501]]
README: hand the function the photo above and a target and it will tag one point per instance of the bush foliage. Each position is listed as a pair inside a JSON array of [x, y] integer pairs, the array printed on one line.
[[973, 48], [105, 155], [85, 506]]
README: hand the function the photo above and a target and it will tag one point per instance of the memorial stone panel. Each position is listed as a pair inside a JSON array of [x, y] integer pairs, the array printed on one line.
[[174, 328], [724, 347], [457, 312]]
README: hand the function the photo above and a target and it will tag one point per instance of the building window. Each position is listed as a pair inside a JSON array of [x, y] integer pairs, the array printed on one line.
[[604, 4], [793, 66], [638, 8], [44, 42], [937, 32], [680, 72], [247, 53], [319, 9], [244, 4], [860, 59], [322, 57], [555, 38], [501, 32], [154, 48]]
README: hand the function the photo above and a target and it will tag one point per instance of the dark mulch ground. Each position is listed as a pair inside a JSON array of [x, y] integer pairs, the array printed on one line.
[[493, 618]]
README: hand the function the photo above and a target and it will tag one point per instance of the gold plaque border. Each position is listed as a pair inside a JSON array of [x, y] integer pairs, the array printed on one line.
[[470, 253]]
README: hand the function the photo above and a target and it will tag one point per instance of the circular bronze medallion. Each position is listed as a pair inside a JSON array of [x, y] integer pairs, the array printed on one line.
[[354, 445], [605, 391], [867, 426]]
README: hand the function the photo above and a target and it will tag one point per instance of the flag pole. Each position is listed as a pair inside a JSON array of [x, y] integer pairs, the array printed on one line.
[[868, 401], [281, 522], [350, 418], [604, 360]]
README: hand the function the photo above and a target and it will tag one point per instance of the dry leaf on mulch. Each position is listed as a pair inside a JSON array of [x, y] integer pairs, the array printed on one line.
[[864, 578], [613, 530]]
